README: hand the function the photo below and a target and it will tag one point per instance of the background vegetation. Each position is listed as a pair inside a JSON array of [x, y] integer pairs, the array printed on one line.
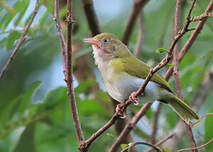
[[35, 113]]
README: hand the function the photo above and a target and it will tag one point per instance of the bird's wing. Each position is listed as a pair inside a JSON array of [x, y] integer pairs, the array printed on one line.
[[137, 68]]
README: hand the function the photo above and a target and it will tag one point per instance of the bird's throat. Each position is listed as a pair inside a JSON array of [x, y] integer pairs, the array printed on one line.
[[101, 58]]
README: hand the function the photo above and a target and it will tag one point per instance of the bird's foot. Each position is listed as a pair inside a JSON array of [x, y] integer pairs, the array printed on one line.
[[121, 111], [133, 98]]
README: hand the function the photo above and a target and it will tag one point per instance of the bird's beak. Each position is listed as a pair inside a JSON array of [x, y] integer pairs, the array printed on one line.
[[92, 41]]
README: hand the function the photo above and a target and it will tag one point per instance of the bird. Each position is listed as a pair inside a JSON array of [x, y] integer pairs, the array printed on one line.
[[123, 74]]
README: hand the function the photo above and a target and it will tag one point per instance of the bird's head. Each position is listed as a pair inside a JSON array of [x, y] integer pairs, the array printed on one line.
[[107, 46]]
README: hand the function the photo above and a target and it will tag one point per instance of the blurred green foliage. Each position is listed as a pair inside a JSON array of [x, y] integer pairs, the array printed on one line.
[[46, 124]]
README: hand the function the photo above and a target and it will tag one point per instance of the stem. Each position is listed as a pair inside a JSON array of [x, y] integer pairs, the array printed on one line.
[[69, 72], [22, 38], [139, 42], [176, 71], [91, 17], [162, 141], [129, 127], [198, 99], [67, 62], [141, 143], [155, 123], [192, 38], [138, 4]]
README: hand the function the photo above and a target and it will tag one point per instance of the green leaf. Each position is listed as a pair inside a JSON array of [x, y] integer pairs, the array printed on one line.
[[22, 102], [209, 132], [26, 101], [49, 6], [26, 142], [110, 135], [90, 107], [13, 36], [83, 86], [6, 20], [22, 10], [30, 91], [160, 50], [124, 146], [170, 64]]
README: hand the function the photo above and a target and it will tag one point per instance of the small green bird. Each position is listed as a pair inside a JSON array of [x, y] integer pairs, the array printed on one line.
[[123, 74]]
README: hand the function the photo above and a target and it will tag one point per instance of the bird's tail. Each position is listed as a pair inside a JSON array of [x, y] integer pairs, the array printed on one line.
[[182, 109]]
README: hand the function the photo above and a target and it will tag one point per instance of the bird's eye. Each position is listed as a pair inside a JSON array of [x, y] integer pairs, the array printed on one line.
[[105, 40]]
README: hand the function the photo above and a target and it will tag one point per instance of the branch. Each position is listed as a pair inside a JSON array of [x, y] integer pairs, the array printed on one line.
[[141, 143], [92, 138], [175, 57], [196, 148], [129, 127], [160, 44], [68, 75], [120, 124], [139, 42], [198, 100], [176, 64], [196, 103], [138, 4], [60, 33], [204, 88], [155, 123], [91, 17], [22, 38], [162, 141], [67, 62], [201, 17], [192, 38]]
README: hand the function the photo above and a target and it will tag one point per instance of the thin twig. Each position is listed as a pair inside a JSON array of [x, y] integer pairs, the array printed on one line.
[[91, 17], [201, 17], [192, 38], [196, 148], [162, 141], [22, 38], [141, 143], [204, 88], [68, 76], [139, 42], [176, 64], [67, 60], [94, 136], [179, 132], [60, 33], [155, 123], [129, 127], [138, 4], [120, 123], [198, 99], [160, 44], [191, 136], [207, 114], [175, 56]]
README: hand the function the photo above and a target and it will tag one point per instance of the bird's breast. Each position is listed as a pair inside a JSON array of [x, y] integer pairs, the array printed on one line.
[[121, 85]]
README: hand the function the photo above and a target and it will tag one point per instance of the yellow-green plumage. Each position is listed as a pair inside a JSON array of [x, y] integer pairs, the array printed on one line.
[[123, 74]]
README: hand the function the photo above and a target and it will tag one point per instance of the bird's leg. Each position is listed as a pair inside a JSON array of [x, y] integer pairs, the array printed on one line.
[[133, 98], [121, 111]]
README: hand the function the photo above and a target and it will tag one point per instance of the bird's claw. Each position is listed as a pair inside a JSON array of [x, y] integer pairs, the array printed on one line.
[[120, 111], [133, 98]]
